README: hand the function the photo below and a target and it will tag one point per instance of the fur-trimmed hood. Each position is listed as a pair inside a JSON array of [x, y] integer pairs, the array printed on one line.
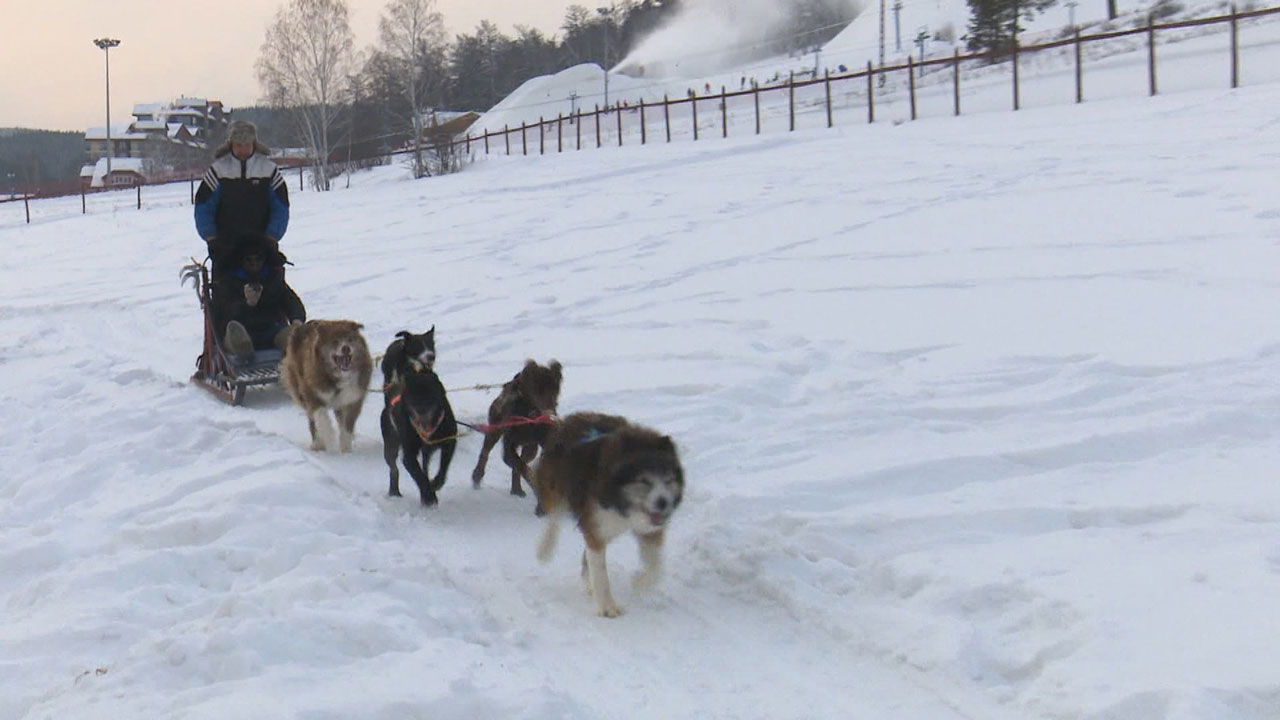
[[225, 148]]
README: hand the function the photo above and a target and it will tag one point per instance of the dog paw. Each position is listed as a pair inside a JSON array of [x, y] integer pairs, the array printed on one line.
[[518, 492], [317, 446], [608, 610], [476, 476]]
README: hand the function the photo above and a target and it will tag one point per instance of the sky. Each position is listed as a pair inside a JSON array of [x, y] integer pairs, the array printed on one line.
[[977, 417], [54, 77]]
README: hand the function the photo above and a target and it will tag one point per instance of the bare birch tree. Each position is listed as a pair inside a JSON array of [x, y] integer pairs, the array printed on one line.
[[305, 65], [412, 31]]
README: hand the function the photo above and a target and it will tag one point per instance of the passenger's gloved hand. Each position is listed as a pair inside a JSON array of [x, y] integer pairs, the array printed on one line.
[[217, 247], [252, 294]]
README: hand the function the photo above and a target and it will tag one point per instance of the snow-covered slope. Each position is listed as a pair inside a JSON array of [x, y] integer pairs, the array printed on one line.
[[977, 416]]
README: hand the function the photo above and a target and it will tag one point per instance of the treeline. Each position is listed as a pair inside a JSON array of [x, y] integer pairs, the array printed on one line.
[[29, 158], [376, 99]]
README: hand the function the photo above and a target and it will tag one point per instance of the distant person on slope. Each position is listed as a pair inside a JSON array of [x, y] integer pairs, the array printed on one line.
[[243, 200]]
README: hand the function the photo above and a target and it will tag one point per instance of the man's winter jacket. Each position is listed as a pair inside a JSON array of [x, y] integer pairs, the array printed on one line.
[[241, 201]]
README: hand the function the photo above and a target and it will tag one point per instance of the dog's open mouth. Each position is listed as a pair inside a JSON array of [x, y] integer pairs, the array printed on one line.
[[657, 519], [343, 362]]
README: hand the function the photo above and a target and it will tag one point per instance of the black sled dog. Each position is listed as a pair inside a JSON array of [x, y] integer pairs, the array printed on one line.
[[417, 419], [408, 353]]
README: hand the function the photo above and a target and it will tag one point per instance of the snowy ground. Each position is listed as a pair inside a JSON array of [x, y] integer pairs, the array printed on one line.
[[978, 418]]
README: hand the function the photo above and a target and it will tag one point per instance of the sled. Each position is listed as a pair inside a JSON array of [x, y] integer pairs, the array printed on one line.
[[226, 376]]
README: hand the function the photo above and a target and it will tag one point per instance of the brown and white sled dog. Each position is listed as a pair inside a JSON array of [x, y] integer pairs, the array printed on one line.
[[326, 365], [613, 476]]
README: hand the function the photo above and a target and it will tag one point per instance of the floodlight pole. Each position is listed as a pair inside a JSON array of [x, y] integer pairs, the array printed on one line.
[[882, 43], [897, 26], [607, 14], [106, 44]]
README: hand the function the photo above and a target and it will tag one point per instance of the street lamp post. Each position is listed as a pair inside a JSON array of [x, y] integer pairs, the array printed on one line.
[[607, 13], [106, 44]]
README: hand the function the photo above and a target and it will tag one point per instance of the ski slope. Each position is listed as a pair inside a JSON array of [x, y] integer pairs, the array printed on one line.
[[977, 416]]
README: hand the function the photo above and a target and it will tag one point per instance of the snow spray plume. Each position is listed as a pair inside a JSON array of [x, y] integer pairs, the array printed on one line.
[[708, 36]]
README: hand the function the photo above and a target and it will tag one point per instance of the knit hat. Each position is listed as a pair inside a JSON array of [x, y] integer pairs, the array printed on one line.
[[242, 131]]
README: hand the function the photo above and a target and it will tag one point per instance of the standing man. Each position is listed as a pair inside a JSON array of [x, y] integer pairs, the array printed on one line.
[[243, 200]]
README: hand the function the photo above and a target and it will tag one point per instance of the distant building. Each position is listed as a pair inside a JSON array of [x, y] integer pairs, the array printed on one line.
[[446, 124], [125, 172], [291, 157], [173, 132], [176, 134]]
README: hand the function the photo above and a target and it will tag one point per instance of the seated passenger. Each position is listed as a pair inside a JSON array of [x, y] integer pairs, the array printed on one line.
[[254, 307]]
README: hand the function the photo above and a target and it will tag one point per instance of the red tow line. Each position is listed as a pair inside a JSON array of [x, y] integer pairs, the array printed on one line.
[[514, 421]]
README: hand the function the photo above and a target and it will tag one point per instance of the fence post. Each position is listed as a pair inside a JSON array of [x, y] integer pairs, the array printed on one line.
[[666, 114], [486, 141], [1079, 69], [578, 127], [559, 132], [644, 130], [542, 137], [911, 84], [139, 186], [1235, 50], [617, 110], [524, 138], [755, 95], [468, 142], [826, 81], [26, 205], [957, 81], [871, 96], [1016, 99], [301, 180], [791, 100], [693, 103], [724, 113], [506, 135], [597, 126], [193, 192], [84, 208], [1151, 51]]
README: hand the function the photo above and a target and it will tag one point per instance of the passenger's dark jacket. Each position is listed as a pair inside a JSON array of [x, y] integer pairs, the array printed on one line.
[[278, 305], [241, 202]]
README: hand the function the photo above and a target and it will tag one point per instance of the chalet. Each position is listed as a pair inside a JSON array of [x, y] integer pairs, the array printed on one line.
[[125, 172], [178, 132], [445, 125]]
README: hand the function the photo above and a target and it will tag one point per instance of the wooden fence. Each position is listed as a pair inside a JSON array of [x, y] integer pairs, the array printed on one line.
[[593, 121]]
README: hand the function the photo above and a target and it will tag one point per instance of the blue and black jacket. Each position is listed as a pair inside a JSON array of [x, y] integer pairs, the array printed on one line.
[[241, 201]]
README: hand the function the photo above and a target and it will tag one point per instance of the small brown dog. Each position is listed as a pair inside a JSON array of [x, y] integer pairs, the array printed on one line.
[[613, 476], [520, 417], [326, 364]]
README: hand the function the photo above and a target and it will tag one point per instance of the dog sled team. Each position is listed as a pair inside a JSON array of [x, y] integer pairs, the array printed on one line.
[[609, 474]]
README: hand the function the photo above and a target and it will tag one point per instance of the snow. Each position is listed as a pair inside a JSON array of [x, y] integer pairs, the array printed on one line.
[[977, 416]]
